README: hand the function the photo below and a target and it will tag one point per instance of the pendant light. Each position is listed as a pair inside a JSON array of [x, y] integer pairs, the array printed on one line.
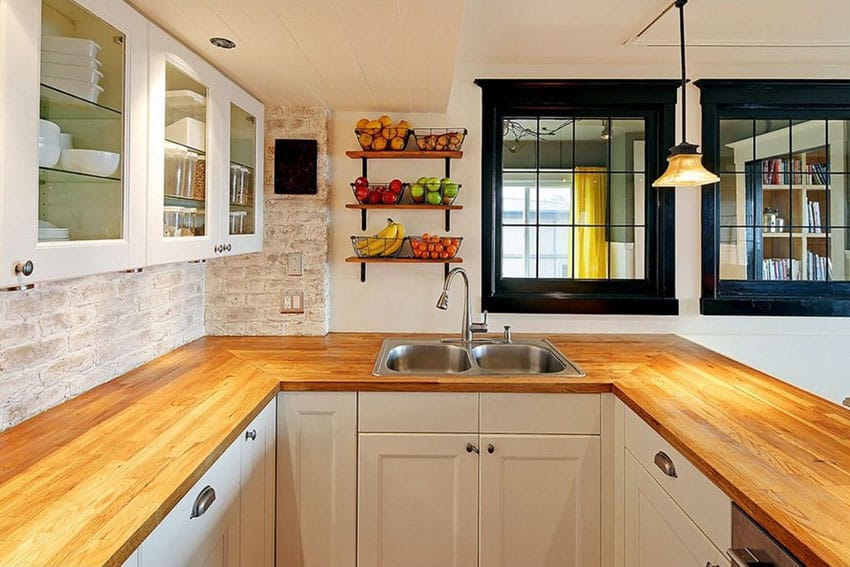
[[684, 167]]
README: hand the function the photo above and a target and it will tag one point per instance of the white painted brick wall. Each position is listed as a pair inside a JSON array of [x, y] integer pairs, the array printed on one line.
[[64, 338], [244, 293]]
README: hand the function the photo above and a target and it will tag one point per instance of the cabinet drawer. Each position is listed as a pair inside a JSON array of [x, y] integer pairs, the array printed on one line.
[[417, 412], [541, 413], [706, 504]]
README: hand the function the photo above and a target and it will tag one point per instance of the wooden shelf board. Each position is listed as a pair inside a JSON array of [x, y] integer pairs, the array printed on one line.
[[405, 206], [356, 260], [786, 187], [794, 234], [416, 154]]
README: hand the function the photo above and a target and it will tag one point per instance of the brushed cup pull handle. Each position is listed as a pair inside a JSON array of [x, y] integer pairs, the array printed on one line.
[[203, 502], [470, 448], [252, 435], [665, 463]]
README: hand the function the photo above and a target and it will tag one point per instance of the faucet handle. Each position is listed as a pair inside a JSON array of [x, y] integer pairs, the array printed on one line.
[[507, 337]]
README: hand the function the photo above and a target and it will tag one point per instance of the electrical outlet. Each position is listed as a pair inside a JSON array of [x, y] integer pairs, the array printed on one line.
[[294, 264], [292, 302]]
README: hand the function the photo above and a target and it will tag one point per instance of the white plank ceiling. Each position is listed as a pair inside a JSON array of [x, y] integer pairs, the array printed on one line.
[[381, 55], [400, 55]]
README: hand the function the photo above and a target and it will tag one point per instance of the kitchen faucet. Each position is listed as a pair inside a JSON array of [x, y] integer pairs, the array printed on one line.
[[467, 328]]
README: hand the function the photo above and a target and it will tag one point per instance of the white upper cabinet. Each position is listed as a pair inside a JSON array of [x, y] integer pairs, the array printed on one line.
[[205, 152], [73, 144]]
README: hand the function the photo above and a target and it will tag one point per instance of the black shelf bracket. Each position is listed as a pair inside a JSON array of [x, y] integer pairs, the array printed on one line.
[[364, 166], [363, 270], [363, 219], [448, 167], [448, 220]]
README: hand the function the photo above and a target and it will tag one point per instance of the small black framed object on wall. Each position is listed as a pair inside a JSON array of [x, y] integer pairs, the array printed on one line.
[[295, 167]]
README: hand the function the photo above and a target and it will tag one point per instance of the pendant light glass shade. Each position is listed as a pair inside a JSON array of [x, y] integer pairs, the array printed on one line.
[[685, 169]]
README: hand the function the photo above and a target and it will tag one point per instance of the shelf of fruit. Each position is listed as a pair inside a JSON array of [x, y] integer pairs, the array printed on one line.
[[390, 245], [425, 193]]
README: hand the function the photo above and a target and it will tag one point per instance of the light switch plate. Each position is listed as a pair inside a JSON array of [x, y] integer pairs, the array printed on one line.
[[295, 264]]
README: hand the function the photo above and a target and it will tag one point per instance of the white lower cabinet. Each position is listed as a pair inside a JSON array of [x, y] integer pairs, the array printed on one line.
[[540, 501], [257, 494], [317, 479], [227, 518], [418, 500], [202, 530], [658, 532]]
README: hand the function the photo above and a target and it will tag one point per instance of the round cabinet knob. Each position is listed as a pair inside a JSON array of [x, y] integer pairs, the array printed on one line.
[[229, 246], [491, 449], [252, 435], [24, 268]]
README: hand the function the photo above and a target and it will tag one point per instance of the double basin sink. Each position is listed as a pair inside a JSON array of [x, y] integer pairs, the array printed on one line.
[[443, 357]]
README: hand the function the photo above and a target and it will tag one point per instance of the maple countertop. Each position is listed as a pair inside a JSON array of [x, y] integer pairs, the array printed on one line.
[[84, 483]]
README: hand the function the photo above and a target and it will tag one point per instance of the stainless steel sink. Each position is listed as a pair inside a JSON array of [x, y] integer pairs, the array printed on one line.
[[439, 357], [428, 359]]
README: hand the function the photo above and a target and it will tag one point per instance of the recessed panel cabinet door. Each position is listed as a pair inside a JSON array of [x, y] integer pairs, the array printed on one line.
[[317, 479], [418, 501], [540, 501], [658, 532], [257, 494]]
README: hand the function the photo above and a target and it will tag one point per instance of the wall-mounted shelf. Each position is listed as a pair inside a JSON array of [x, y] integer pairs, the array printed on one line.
[[364, 157], [364, 261], [410, 207]]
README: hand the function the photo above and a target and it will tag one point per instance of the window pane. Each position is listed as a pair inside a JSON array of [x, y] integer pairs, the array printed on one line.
[[519, 197], [736, 207], [628, 255], [519, 143], [591, 143], [555, 251], [622, 199], [627, 144], [591, 252], [556, 198], [839, 253], [735, 252], [781, 257], [556, 143], [773, 145], [736, 144], [519, 252], [839, 149]]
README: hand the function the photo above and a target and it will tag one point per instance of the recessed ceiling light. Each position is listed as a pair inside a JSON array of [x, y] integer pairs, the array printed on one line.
[[223, 42]]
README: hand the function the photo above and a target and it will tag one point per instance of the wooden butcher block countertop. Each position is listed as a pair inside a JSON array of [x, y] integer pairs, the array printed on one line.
[[85, 483]]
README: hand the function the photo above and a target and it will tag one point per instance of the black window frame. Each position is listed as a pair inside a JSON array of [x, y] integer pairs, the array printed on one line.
[[655, 99], [744, 98]]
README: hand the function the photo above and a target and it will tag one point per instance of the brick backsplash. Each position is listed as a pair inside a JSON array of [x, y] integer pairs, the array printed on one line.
[[244, 293], [66, 337]]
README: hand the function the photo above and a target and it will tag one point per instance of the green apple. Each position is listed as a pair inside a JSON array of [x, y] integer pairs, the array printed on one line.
[[433, 198], [450, 189], [445, 180], [417, 192], [433, 184], [422, 180]]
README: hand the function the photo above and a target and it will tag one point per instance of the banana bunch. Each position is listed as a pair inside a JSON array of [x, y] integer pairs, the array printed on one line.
[[385, 243]]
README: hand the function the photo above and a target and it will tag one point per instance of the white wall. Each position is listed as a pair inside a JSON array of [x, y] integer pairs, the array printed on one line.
[[809, 352]]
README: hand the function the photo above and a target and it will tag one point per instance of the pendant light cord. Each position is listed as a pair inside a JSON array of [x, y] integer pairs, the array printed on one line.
[[680, 4]]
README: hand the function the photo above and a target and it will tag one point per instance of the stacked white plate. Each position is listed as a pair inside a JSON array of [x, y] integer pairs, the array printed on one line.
[[53, 234], [70, 64]]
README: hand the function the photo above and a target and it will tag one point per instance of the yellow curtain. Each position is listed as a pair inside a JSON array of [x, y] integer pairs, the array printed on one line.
[[591, 248]]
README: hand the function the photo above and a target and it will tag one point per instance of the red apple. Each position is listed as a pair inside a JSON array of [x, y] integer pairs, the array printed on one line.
[[388, 197], [374, 197], [361, 182], [395, 186], [362, 194]]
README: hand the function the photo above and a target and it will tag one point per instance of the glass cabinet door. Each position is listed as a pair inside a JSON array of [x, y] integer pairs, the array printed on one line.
[[81, 185], [243, 157], [185, 177]]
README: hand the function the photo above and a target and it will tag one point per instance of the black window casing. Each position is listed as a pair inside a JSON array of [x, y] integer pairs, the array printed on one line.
[[754, 99], [653, 100]]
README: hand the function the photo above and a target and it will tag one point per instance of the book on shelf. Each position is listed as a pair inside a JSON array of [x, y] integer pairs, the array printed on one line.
[[812, 221], [777, 171]]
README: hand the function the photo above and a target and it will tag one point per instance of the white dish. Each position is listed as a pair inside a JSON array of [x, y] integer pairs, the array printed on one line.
[[189, 132], [81, 89], [42, 224], [72, 72], [66, 141], [66, 59], [70, 45], [93, 162], [48, 154], [49, 131]]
